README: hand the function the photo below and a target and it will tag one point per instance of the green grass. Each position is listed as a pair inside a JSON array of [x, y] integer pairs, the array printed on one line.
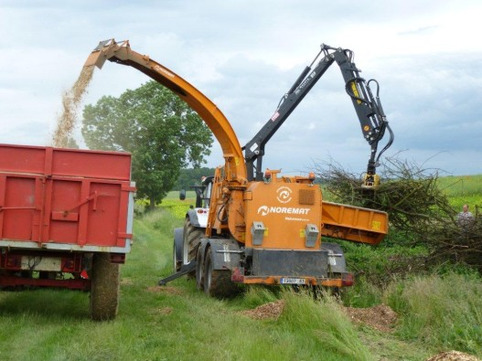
[[442, 311], [177, 322], [461, 185], [174, 195], [325, 325], [463, 190]]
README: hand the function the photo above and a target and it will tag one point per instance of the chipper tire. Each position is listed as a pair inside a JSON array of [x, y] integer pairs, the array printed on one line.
[[217, 283], [104, 288]]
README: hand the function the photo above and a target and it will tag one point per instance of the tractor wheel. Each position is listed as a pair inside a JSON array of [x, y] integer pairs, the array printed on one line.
[[177, 263], [217, 283], [191, 240], [104, 288], [199, 271]]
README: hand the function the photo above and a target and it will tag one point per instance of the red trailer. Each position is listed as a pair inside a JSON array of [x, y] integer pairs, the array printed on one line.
[[65, 220]]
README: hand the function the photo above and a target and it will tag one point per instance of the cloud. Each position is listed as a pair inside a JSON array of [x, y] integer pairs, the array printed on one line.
[[245, 56], [418, 31], [434, 101]]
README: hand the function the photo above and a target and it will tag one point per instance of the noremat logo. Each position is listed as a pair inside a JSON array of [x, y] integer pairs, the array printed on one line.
[[265, 210], [283, 194]]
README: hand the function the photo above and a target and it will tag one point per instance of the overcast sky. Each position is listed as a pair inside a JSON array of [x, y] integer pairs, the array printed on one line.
[[244, 55]]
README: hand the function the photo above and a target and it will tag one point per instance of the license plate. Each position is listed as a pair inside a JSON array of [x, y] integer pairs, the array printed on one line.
[[292, 281]]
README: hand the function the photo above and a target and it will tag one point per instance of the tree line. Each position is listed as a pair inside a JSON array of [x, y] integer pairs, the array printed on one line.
[[191, 176], [160, 130]]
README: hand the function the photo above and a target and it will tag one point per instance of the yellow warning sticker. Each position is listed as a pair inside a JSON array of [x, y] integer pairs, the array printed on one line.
[[355, 91], [376, 225]]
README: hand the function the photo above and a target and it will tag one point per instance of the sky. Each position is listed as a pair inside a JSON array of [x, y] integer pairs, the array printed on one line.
[[245, 54]]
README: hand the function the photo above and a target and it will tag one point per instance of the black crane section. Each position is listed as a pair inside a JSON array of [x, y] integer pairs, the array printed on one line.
[[368, 108]]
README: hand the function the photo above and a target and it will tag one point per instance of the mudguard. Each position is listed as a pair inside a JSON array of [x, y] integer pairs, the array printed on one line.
[[196, 219], [226, 253], [192, 215], [336, 258]]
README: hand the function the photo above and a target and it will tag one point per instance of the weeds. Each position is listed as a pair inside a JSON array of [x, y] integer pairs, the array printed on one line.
[[324, 324], [444, 311], [380, 265]]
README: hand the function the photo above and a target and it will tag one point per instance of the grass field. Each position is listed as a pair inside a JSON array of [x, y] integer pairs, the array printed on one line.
[[177, 322], [166, 323], [463, 190]]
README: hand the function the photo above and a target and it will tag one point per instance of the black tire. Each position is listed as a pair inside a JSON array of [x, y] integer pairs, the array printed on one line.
[[191, 240], [104, 288], [176, 262], [217, 283], [199, 271]]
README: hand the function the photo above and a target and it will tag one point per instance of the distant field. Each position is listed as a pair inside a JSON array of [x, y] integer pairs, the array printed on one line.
[[190, 195], [459, 189], [461, 185], [463, 190], [176, 206]]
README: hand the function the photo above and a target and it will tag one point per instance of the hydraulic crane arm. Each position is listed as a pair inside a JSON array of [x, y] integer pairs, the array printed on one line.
[[368, 108], [120, 52]]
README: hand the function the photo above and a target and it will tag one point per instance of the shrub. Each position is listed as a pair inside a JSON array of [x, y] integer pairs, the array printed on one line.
[[419, 211]]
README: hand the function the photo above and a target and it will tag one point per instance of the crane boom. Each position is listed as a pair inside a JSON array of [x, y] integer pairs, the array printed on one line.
[[368, 108], [268, 231], [121, 52]]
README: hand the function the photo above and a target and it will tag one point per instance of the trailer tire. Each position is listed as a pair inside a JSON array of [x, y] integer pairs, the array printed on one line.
[[217, 283], [104, 288]]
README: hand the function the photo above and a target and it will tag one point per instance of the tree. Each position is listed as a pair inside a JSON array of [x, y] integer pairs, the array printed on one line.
[[157, 127], [71, 143], [191, 177]]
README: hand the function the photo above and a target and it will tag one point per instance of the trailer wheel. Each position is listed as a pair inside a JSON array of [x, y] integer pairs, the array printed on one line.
[[217, 283], [104, 288]]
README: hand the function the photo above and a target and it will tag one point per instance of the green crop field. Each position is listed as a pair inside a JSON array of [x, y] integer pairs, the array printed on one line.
[[434, 312], [463, 190]]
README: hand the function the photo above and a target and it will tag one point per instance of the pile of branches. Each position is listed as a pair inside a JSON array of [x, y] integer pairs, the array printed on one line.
[[458, 244], [417, 208]]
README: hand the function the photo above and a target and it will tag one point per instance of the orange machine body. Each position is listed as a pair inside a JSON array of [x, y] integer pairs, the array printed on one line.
[[287, 213], [259, 231]]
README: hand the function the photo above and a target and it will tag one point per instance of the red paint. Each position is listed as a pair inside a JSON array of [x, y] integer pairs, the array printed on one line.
[[64, 196], [74, 284], [57, 207]]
